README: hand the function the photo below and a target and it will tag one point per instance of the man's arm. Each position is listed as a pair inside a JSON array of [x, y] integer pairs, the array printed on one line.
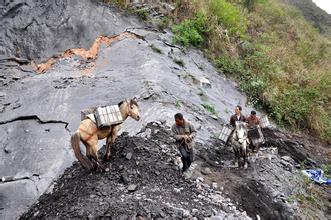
[[193, 131], [178, 137]]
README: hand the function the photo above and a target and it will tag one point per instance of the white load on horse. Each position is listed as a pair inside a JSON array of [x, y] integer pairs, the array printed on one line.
[[103, 116]]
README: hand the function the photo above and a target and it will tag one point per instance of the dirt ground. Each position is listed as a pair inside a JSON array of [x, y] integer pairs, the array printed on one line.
[[143, 180]]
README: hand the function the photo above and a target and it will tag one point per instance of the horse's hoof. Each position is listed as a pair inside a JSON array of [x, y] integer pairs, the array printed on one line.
[[101, 169], [106, 157]]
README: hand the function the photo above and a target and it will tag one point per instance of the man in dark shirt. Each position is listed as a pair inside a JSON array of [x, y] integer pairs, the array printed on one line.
[[237, 116], [253, 120], [184, 134]]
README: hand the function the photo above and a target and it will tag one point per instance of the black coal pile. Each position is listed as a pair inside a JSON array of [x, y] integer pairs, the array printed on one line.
[[141, 179]]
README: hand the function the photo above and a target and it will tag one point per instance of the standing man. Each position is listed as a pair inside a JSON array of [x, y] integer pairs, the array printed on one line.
[[184, 133], [237, 116]]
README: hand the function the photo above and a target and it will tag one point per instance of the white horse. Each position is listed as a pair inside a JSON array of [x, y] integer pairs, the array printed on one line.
[[240, 142]]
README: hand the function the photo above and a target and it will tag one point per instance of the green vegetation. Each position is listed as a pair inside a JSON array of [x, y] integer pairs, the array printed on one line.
[[120, 3], [209, 107], [178, 103], [229, 16], [143, 14], [191, 31], [163, 23], [280, 60], [327, 170], [310, 199]]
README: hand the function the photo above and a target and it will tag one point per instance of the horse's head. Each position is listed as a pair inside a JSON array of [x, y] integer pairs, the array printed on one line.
[[241, 132], [132, 109]]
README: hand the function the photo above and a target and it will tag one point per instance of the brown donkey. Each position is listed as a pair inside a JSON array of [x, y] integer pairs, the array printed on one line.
[[89, 134]]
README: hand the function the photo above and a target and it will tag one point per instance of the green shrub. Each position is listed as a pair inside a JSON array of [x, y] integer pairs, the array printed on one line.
[[163, 23], [143, 14], [229, 16], [191, 31], [209, 107], [230, 65]]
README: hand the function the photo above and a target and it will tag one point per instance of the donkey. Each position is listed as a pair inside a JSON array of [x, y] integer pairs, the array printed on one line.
[[240, 141], [89, 134]]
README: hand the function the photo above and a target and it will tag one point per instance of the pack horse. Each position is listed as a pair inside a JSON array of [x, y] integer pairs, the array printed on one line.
[[92, 129]]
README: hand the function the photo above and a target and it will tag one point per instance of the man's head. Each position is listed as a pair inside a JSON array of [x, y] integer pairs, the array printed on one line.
[[253, 114], [179, 119], [237, 110]]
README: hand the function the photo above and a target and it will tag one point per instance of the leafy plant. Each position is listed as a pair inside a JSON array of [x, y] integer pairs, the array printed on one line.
[[229, 16], [229, 65], [143, 14], [178, 103], [209, 107], [191, 31]]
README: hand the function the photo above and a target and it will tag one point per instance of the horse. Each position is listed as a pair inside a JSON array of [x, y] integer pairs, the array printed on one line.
[[240, 142], [88, 133]]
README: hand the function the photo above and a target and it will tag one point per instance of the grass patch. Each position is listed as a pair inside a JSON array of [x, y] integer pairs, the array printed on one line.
[[210, 108], [327, 170], [143, 14], [191, 31], [178, 103], [229, 16]]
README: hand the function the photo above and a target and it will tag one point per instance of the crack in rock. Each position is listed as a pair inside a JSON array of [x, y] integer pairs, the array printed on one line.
[[35, 117]]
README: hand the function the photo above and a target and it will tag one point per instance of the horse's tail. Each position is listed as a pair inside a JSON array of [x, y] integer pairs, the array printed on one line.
[[75, 141]]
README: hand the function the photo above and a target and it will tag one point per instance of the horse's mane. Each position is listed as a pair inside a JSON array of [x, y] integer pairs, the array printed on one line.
[[132, 102]]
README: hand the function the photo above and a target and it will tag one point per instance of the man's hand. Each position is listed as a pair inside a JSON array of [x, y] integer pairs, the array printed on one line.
[[189, 138]]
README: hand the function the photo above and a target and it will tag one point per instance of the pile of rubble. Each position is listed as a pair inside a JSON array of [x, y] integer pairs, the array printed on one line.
[[142, 179]]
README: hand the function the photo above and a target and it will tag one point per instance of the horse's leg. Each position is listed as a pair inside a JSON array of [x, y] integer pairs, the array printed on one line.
[[245, 155], [93, 142], [110, 141], [88, 153], [245, 160], [107, 155], [237, 156]]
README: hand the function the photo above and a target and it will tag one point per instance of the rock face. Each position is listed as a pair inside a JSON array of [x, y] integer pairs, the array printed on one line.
[[50, 27]]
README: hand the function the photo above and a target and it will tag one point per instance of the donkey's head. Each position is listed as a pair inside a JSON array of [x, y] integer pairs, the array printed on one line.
[[131, 108], [240, 132]]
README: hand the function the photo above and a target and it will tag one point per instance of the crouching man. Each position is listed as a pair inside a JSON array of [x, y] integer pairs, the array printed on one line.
[[184, 133]]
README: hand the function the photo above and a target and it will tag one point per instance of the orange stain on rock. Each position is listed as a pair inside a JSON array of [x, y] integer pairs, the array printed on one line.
[[92, 53]]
